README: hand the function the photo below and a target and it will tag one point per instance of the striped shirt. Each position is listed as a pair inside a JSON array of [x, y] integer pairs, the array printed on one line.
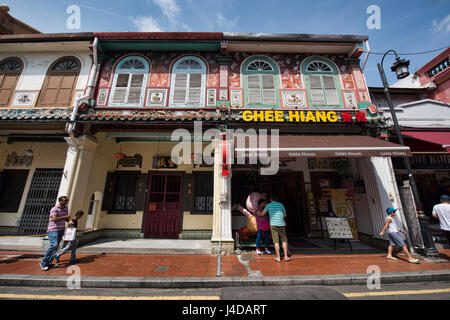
[[58, 212], [276, 213]]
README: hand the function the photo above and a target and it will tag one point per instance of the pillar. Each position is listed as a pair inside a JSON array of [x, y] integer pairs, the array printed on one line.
[[222, 240]]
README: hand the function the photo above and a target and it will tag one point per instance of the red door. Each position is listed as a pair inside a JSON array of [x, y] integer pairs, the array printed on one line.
[[163, 206]]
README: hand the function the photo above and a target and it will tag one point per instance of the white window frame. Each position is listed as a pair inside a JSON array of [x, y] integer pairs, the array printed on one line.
[[176, 70], [118, 71]]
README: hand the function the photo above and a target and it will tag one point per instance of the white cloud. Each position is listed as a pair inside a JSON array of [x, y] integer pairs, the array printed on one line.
[[147, 24], [169, 8], [186, 27], [440, 27], [226, 23]]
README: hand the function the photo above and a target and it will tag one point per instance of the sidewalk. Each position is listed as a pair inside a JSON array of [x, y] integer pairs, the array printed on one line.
[[183, 271]]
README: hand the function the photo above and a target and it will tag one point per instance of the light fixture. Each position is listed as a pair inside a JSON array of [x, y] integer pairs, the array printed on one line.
[[400, 67], [28, 153]]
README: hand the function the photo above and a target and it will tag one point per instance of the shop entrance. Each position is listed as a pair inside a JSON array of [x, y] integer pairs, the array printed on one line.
[[163, 206], [288, 186]]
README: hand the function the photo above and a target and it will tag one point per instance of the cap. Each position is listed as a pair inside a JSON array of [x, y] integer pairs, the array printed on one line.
[[445, 197], [390, 210]]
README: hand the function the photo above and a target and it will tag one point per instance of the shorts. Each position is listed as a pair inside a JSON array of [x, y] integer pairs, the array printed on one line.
[[395, 239], [277, 233]]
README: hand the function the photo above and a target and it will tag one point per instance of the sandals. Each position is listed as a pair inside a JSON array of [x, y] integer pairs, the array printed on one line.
[[415, 261], [276, 259], [287, 259], [392, 258]]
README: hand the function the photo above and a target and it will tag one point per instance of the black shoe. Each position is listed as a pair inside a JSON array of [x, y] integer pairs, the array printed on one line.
[[51, 265]]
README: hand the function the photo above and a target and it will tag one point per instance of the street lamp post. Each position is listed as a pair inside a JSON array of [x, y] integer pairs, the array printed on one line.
[[400, 67]]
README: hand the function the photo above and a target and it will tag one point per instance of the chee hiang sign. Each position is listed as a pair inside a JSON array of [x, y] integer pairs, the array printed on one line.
[[303, 116]]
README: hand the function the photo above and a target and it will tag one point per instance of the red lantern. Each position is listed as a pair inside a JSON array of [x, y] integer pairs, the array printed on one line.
[[119, 155]]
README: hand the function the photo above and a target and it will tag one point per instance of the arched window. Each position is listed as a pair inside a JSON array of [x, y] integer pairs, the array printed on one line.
[[261, 82], [10, 70], [130, 77], [59, 84], [188, 82], [323, 84]]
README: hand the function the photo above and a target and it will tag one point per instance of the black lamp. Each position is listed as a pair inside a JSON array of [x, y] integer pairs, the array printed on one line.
[[400, 67]]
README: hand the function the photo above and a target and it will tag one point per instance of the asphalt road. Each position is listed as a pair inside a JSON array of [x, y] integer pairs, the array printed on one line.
[[401, 291]]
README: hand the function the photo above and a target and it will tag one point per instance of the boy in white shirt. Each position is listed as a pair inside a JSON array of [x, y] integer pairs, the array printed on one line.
[[394, 236]]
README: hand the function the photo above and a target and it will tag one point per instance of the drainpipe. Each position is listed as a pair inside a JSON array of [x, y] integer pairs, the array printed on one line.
[[367, 56], [91, 84]]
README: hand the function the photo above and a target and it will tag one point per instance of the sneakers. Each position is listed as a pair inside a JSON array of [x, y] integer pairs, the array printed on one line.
[[57, 259], [258, 251], [267, 251], [44, 268]]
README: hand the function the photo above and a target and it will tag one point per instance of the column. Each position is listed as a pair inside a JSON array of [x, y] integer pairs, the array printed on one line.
[[74, 183], [222, 240]]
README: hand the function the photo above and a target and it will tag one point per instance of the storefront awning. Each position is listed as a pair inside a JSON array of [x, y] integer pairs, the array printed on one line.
[[305, 146], [441, 138]]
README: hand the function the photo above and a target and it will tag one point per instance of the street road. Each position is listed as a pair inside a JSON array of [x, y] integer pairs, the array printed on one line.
[[401, 291]]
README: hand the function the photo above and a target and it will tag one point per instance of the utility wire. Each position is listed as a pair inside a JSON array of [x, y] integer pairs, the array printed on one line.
[[411, 53]]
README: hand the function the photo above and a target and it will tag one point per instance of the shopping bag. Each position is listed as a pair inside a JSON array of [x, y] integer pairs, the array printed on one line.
[[70, 234]]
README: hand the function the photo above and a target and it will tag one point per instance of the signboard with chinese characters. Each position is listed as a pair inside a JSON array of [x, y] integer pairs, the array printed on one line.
[[163, 163], [339, 228]]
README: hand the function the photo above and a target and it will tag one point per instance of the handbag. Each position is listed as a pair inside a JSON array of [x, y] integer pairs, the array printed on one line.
[[70, 234]]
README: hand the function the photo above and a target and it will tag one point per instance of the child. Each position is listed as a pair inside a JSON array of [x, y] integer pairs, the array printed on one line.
[[72, 245], [263, 225], [394, 236]]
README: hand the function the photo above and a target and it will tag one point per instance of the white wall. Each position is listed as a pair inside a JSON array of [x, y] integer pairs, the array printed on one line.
[[36, 66]]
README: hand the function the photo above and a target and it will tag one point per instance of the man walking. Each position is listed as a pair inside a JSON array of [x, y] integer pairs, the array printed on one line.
[[277, 214], [55, 231], [442, 212]]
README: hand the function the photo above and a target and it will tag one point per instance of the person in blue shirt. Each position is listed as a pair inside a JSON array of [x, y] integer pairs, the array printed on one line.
[[277, 214]]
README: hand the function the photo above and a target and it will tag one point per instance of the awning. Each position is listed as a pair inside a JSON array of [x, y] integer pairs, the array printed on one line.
[[310, 146], [442, 138]]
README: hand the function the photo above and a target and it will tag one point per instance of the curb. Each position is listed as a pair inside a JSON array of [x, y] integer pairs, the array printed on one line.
[[210, 282]]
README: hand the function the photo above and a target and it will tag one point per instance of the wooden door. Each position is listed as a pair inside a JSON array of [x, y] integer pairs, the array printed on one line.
[[163, 206]]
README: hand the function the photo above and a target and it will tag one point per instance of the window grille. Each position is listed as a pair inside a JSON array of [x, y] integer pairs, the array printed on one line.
[[204, 193]]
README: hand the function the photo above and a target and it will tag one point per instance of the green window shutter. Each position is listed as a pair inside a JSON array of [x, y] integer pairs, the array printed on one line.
[[254, 90], [315, 84], [331, 94], [268, 84]]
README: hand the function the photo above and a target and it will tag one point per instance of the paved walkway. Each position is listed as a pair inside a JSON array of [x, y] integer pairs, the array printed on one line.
[[246, 265]]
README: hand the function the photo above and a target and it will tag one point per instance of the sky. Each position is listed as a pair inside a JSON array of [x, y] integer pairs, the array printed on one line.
[[406, 26]]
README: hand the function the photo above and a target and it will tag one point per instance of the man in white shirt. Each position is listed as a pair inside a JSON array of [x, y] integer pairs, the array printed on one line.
[[442, 212]]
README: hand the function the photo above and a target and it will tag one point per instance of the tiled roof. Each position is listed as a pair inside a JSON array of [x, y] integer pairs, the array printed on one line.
[[62, 114], [150, 115]]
